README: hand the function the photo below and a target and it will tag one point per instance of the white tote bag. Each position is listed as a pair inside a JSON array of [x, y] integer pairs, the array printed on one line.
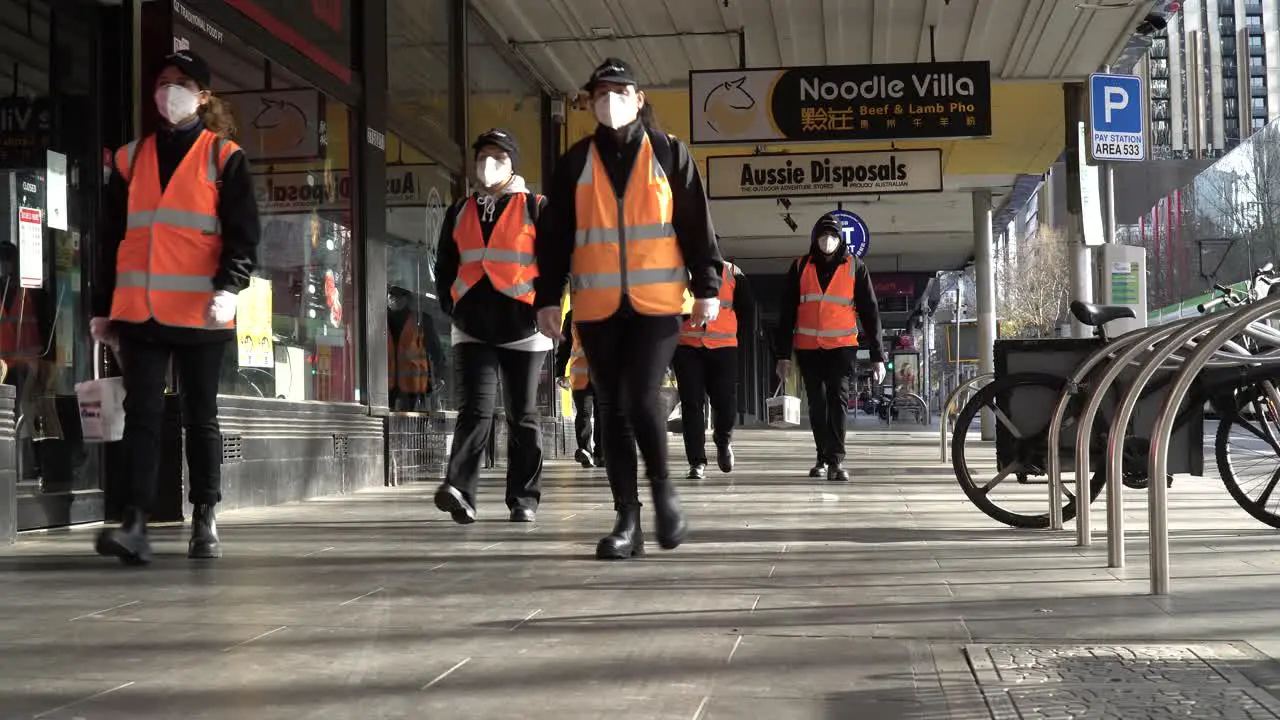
[[101, 404], [782, 411]]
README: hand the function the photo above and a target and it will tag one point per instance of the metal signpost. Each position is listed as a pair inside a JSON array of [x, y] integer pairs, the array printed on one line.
[[1116, 133]]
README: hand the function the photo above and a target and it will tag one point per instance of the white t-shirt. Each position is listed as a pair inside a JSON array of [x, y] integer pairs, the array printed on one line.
[[536, 342]]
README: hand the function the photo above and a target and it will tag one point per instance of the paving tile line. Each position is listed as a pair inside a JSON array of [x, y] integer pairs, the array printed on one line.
[[100, 613], [83, 700]]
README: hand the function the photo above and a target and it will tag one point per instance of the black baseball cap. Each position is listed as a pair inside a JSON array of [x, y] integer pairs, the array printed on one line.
[[612, 70], [191, 65], [499, 138], [826, 225]]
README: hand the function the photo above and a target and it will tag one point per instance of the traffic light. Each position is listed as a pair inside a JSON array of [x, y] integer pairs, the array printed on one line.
[[888, 365]]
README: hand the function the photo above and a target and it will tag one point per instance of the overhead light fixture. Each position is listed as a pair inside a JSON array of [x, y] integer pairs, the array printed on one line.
[[602, 32]]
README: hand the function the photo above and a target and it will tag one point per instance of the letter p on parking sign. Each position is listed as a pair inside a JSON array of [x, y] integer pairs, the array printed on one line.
[[1117, 129]]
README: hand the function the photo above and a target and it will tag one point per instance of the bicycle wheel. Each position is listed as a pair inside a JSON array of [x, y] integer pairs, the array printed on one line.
[[1247, 448], [1024, 456]]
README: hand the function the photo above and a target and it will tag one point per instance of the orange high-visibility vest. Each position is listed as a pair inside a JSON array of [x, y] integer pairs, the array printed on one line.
[[579, 374], [20, 342], [826, 319], [408, 366], [508, 259], [626, 245], [173, 242], [723, 331]]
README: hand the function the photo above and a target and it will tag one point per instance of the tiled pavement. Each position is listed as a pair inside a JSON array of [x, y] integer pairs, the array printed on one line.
[[886, 599]]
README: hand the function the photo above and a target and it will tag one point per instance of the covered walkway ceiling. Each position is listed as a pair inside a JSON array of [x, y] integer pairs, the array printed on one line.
[[1038, 43]]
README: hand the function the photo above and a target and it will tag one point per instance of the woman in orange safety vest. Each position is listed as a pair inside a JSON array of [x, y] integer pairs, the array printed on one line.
[[181, 235], [572, 371], [706, 368], [485, 268], [826, 294], [629, 227]]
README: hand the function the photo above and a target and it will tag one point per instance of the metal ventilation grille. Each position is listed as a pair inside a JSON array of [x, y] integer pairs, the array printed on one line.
[[232, 449], [340, 446]]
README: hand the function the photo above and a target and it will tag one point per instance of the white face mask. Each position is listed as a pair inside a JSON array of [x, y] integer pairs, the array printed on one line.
[[828, 244], [176, 103], [616, 110], [492, 172]]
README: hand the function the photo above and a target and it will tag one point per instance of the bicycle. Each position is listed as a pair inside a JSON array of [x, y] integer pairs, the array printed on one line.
[[1240, 396]]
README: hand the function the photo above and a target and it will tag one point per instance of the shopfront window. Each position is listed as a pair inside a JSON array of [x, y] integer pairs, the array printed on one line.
[[418, 194], [297, 332], [501, 96], [418, 62]]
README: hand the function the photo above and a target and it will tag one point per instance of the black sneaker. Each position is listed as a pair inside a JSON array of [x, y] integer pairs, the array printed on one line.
[[697, 472]]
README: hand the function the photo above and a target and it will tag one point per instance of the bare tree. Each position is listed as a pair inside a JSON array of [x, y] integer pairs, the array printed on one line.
[[1036, 284]]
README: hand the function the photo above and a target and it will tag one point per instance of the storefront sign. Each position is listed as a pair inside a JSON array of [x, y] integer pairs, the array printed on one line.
[[253, 325], [841, 102], [185, 14], [407, 186], [877, 172], [25, 131], [30, 247], [856, 235], [278, 124], [319, 29]]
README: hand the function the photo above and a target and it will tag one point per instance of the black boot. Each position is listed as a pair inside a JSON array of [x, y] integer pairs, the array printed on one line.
[[724, 457], [627, 539], [204, 543], [129, 542], [837, 473], [697, 471], [818, 470], [668, 516]]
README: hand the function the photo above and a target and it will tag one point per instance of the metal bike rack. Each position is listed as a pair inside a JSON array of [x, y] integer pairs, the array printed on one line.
[[946, 410], [1158, 508], [1097, 395], [1054, 463]]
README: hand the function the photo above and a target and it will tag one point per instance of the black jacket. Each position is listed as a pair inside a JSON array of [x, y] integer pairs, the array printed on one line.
[[564, 350], [691, 216], [864, 302], [237, 213], [484, 313]]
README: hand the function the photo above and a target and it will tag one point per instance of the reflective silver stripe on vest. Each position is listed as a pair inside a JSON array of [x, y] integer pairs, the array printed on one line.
[[130, 151], [460, 287], [826, 333], [823, 297], [166, 283], [176, 218], [602, 281], [516, 291], [709, 335], [214, 171], [594, 236], [497, 255], [578, 371]]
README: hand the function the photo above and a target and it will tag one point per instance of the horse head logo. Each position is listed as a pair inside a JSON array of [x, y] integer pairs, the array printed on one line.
[[281, 126], [728, 108]]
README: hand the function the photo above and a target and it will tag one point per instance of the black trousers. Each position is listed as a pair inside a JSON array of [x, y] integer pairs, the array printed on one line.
[[586, 421], [629, 354], [703, 373], [146, 370], [826, 382], [478, 367]]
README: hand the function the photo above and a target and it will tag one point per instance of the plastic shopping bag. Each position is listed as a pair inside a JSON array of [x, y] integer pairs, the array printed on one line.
[[782, 411], [101, 409]]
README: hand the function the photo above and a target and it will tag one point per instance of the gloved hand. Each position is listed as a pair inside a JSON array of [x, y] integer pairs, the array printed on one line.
[[783, 369], [222, 309], [100, 330], [549, 322], [563, 382], [878, 373], [705, 310]]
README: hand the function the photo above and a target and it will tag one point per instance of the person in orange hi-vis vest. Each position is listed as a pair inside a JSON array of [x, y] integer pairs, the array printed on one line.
[[825, 296], [629, 229], [706, 369], [485, 258], [572, 371], [181, 234]]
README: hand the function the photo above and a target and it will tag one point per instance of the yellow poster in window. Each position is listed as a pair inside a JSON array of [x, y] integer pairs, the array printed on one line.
[[253, 325]]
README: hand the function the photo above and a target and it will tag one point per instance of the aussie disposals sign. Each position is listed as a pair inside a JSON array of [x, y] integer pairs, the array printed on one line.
[[877, 172]]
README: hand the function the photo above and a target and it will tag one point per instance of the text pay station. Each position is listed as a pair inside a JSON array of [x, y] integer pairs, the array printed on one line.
[[1116, 122]]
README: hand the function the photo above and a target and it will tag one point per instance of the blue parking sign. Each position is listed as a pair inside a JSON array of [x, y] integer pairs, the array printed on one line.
[[856, 235], [1116, 124]]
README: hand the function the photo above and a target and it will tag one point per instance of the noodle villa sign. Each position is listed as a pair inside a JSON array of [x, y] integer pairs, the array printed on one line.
[[876, 172], [843, 102]]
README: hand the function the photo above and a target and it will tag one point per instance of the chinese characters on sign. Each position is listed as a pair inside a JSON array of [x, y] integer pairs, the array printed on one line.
[[851, 102]]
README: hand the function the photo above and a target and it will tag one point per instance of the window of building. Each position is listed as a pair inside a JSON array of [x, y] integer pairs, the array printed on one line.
[[1259, 123], [1253, 22], [501, 96], [1255, 44], [418, 194], [418, 62], [1257, 65], [1160, 47], [1228, 49], [1259, 106], [1159, 88], [1159, 68], [297, 336], [1230, 107], [1227, 24], [1258, 85], [1160, 110]]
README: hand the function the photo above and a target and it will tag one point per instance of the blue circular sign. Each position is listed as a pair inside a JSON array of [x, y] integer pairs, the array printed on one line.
[[856, 235]]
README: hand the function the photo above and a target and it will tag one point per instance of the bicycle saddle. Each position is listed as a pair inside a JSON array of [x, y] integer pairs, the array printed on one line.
[[1097, 315]]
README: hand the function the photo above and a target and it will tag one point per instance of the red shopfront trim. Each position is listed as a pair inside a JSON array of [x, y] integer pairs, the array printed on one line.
[[273, 25]]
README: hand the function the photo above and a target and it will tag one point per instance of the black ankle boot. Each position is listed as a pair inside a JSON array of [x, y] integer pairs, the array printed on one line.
[[627, 539], [204, 543], [129, 542], [669, 518]]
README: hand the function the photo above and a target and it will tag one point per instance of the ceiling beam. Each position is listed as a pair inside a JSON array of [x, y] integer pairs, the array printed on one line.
[[1071, 44], [637, 50], [1029, 14], [782, 30], [563, 80], [689, 51], [731, 18], [976, 44], [832, 33], [1140, 11], [932, 17], [881, 22]]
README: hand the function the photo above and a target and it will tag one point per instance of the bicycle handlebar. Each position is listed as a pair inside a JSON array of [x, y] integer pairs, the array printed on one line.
[[1205, 307]]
